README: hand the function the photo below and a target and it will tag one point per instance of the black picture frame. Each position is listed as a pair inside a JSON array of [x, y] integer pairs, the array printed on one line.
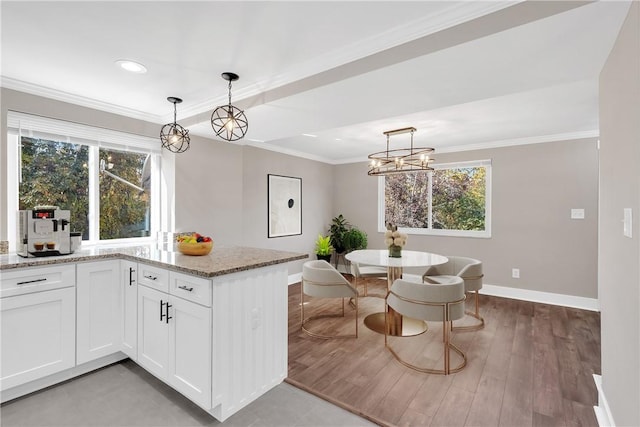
[[284, 205]]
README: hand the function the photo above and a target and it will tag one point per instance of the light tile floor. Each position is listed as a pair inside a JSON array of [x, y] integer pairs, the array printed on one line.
[[124, 395]]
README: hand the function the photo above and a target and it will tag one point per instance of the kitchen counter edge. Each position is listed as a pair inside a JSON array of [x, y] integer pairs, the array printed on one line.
[[218, 263]]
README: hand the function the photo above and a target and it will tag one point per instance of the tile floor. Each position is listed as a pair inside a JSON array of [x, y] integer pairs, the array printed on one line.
[[124, 395]]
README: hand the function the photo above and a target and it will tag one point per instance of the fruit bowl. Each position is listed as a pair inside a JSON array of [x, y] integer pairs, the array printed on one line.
[[198, 248]]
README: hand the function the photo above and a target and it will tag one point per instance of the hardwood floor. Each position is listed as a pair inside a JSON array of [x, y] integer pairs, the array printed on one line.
[[531, 365]]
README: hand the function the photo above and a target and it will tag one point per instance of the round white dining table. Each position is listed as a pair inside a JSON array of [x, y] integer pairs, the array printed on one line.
[[395, 323]]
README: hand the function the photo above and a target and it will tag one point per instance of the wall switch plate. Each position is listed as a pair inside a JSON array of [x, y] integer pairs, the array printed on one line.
[[515, 273], [577, 213], [627, 228]]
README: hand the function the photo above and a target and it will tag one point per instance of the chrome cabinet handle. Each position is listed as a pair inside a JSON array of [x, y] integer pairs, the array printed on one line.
[[185, 288], [150, 277], [32, 281]]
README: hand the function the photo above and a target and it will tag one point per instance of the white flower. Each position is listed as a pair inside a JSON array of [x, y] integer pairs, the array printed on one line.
[[399, 241], [387, 233], [388, 241], [395, 234]]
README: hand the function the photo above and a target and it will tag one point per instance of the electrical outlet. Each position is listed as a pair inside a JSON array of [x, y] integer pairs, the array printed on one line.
[[515, 273]]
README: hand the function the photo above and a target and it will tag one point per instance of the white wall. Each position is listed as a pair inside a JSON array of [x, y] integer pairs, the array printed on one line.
[[619, 256]]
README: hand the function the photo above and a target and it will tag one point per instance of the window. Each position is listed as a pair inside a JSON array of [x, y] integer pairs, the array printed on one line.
[[110, 181], [452, 200]]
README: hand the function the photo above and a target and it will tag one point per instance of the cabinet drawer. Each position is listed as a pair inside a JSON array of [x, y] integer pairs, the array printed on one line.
[[36, 279], [153, 277], [192, 288]]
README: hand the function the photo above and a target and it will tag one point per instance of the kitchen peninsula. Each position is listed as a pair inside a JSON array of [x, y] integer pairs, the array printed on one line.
[[212, 327]]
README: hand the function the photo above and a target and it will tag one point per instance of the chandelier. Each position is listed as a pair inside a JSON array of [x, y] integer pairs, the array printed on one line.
[[174, 137], [229, 122], [400, 160]]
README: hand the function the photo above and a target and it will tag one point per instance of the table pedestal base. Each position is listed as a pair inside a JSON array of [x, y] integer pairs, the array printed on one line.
[[402, 327]]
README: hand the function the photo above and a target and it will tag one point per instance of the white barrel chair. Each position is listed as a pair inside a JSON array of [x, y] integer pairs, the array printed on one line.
[[363, 271], [442, 302], [470, 270], [321, 280]]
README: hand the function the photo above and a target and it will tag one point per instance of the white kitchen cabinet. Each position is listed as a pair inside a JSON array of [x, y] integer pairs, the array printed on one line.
[[153, 331], [98, 310], [174, 342], [38, 324], [129, 304]]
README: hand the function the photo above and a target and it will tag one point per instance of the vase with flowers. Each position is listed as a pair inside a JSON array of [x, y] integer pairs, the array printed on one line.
[[394, 240]]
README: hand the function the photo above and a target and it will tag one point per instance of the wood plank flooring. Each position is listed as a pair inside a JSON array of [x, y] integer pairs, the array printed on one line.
[[531, 365]]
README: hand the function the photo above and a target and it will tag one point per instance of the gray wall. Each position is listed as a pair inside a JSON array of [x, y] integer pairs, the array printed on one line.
[[208, 196], [534, 188], [619, 256], [317, 200]]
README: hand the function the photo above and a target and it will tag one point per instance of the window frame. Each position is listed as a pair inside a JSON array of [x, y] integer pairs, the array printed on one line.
[[95, 138], [486, 233]]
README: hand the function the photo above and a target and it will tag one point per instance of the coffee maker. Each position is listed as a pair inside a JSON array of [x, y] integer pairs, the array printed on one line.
[[44, 231]]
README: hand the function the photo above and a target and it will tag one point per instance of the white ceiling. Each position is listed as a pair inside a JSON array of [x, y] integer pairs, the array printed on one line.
[[466, 74]]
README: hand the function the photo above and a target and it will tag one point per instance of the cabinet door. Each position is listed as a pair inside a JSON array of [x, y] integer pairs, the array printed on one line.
[[38, 335], [153, 331], [129, 304], [98, 309], [190, 350]]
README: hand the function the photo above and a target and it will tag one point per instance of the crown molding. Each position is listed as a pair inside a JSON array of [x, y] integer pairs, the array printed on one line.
[[83, 101]]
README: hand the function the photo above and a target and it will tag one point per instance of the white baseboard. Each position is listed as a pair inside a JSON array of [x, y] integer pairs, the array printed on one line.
[[603, 413], [542, 297], [294, 278]]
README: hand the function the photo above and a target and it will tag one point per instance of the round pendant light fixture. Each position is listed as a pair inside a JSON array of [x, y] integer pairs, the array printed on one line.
[[174, 137], [229, 122]]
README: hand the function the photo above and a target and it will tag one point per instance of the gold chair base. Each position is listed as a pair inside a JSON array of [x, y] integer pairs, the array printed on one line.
[[431, 370], [470, 328], [475, 314], [326, 337]]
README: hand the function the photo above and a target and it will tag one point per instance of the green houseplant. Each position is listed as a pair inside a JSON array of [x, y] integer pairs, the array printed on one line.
[[354, 239], [339, 226], [323, 247]]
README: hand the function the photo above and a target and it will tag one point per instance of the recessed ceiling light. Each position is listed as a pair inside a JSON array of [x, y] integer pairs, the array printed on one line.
[[308, 134], [132, 66]]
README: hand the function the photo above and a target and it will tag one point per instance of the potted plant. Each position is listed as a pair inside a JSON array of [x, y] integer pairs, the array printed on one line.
[[323, 247], [339, 226], [355, 239]]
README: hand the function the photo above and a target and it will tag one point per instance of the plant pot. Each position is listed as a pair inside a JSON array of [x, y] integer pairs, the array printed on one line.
[[324, 257]]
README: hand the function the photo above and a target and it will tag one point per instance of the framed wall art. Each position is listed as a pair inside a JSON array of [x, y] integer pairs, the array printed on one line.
[[284, 205]]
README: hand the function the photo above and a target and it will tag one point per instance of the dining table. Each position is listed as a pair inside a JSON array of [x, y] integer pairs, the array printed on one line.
[[395, 323]]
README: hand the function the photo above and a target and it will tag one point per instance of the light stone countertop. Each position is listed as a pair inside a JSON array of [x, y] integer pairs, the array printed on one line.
[[219, 262]]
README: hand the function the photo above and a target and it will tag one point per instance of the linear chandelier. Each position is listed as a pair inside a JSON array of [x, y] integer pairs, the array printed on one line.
[[228, 121], [174, 137], [400, 160]]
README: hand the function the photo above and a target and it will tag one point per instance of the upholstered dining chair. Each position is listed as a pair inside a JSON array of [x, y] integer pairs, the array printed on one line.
[[362, 271], [442, 302], [470, 270], [321, 280]]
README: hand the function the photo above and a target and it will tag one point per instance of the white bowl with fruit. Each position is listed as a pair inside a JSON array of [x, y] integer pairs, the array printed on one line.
[[194, 244]]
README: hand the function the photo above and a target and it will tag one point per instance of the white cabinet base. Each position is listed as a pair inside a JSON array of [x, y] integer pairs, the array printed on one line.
[[56, 378]]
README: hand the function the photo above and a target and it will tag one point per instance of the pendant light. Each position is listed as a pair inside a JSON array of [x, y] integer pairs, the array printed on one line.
[[229, 122], [174, 137], [400, 160]]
